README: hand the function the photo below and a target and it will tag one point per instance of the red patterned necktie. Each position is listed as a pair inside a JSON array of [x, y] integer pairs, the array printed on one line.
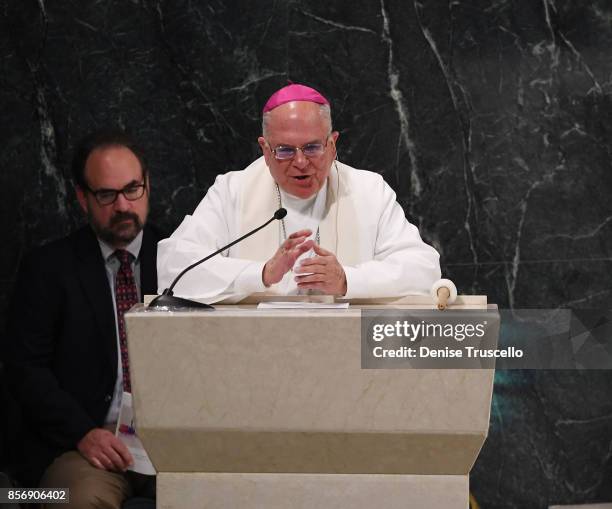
[[126, 296]]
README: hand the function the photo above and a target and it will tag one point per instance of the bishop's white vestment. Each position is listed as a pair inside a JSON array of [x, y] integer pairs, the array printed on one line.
[[358, 218]]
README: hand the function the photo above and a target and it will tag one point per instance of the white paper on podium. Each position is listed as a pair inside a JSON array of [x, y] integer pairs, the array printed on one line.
[[303, 305], [126, 432]]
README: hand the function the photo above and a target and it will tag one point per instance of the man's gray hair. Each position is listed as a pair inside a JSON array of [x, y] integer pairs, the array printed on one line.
[[324, 111]]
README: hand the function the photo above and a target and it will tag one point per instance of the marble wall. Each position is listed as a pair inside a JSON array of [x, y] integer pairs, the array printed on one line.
[[492, 119]]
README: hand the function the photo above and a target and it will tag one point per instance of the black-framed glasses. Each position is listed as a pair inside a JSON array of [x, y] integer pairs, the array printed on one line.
[[131, 192], [287, 152]]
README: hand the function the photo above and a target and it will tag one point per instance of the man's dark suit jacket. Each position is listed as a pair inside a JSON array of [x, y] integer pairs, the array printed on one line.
[[62, 344]]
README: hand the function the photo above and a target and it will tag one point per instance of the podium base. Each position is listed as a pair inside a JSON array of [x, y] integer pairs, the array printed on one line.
[[304, 491]]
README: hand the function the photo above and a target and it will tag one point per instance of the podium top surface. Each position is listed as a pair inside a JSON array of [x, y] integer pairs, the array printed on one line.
[[407, 302], [250, 306]]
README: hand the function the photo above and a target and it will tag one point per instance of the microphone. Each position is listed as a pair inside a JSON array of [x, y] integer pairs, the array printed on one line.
[[167, 298]]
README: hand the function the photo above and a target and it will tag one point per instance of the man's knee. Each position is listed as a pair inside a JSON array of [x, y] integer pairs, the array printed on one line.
[[90, 487], [96, 493]]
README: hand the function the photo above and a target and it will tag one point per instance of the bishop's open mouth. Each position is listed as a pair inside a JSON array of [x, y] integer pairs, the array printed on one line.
[[301, 177]]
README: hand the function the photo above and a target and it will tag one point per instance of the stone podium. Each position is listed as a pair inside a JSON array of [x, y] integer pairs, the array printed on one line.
[[249, 408]]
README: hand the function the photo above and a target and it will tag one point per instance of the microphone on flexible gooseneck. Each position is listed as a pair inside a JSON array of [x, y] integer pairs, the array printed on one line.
[[278, 215], [167, 298]]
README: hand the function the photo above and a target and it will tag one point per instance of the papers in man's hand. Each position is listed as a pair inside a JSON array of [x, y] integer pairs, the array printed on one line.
[[126, 432], [303, 305]]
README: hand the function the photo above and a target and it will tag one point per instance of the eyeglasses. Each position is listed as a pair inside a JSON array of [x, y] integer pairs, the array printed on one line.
[[286, 152], [131, 192]]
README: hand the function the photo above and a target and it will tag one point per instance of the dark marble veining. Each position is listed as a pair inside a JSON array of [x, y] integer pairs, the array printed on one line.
[[492, 119]]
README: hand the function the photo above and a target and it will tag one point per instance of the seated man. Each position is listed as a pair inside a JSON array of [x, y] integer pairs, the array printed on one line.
[[66, 341], [345, 226]]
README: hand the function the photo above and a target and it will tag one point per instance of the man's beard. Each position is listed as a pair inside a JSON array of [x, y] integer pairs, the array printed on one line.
[[116, 233]]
